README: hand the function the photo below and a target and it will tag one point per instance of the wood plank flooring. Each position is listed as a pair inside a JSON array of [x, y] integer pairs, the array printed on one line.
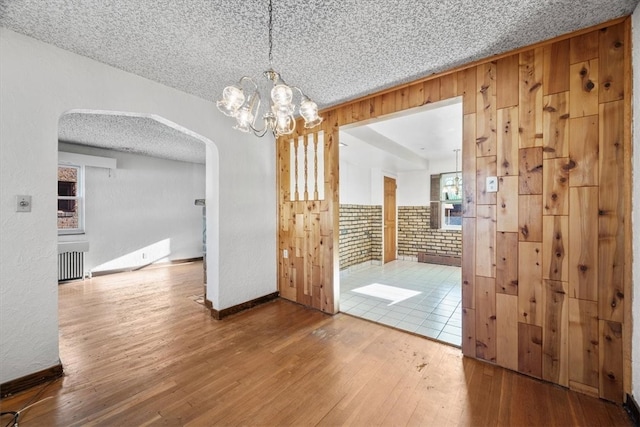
[[138, 350]]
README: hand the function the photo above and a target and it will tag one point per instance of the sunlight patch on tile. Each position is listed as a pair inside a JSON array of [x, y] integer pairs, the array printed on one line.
[[391, 293]]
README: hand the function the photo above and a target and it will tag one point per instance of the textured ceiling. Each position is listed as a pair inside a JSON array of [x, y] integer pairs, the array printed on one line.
[[146, 135], [335, 50]]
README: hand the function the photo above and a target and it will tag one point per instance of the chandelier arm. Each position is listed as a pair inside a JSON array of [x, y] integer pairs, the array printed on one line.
[[243, 78]]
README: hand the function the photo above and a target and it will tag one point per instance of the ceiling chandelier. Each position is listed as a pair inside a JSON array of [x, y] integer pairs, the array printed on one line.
[[279, 117]]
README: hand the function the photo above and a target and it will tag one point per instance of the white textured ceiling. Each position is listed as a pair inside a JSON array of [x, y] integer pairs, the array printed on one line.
[[335, 50]]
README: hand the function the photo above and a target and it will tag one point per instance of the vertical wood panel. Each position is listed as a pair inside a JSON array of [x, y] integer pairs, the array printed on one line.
[[469, 332], [583, 342], [583, 97], [507, 82], [530, 107], [486, 166], [431, 91], [469, 165], [468, 262], [555, 186], [555, 118], [611, 387], [530, 349], [531, 170], [583, 231], [507, 263], [555, 246], [611, 213], [555, 349], [583, 151], [530, 304], [507, 204], [507, 140], [449, 87], [486, 111], [583, 47], [466, 87], [530, 218], [486, 241], [507, 331], [486, 318], [611, 58], [556, 67]]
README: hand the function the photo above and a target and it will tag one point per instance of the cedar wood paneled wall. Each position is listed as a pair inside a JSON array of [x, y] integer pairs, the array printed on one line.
[[547, 259]]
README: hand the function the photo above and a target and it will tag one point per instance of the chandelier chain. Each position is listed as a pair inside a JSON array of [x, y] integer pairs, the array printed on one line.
[[270, 34]]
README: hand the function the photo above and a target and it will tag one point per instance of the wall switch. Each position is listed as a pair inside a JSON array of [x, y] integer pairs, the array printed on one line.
[[492, 184], [23, 203], [285, 254]]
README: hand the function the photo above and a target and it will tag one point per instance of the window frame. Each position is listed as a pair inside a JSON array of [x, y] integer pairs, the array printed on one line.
[[444, 200], [78, 198]]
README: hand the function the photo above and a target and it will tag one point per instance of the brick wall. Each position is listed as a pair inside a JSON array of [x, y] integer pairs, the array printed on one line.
[[360, 234], [414, 234]]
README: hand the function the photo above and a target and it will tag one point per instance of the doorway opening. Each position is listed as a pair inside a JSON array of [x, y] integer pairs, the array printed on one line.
[[400, 230]]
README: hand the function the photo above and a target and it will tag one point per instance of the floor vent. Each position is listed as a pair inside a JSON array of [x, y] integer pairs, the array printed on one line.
[[70, 266]]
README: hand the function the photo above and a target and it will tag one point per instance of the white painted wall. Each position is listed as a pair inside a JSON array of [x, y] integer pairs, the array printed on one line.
[[140, 213], [635, 297], [38, 83], [355, 184]]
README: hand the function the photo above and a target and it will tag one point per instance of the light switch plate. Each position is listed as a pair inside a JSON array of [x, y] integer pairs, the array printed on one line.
[[492, 184], [23, 203], [285, 253]]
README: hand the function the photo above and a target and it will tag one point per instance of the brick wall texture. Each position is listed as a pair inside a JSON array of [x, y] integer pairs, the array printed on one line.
[[360, 234], [414, 234]]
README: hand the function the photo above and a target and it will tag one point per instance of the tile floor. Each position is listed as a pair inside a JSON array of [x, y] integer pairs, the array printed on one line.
[[435, 312]]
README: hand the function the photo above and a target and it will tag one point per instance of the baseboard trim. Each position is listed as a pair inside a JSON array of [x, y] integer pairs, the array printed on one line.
[[632, 408], [31, 380], [140, 267], [439, 259], [221, 314]]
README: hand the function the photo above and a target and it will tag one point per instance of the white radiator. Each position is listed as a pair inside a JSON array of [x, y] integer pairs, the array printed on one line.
[[70, 266]]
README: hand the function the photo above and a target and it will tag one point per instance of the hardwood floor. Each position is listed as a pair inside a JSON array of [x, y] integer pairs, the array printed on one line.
[[138, 350]]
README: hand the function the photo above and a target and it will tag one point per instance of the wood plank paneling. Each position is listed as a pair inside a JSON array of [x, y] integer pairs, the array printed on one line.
[[486, 241], [507, 204], [507, 140], [530, 218], [583, 231], [507, 331], [530, 106], [555, 118], [468, 263], [530, 290], [583, 47], [485, 167], [555, 246], [507, 263], [583, 151], [583, 96], [486, 111], [556, 67], [555, 186], [584, 342], [469, 165], [611, 210], [467, 88], [486, 318], [555, 349], [531, 170], [611, 59], [449, 88], [469, 332], [610, 384], [507, 82], [530, 349]]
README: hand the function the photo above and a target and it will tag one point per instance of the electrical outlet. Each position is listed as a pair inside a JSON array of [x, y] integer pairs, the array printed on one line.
[[285, 253], [23, 203], [492, 184]]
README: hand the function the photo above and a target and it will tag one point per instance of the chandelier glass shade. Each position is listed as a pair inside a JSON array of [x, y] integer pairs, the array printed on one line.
[[452, 187], [279, 116]]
